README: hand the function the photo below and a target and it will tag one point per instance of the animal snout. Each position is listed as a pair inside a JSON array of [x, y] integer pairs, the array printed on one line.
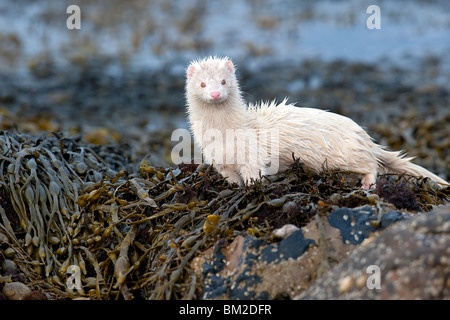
[[215, 94]]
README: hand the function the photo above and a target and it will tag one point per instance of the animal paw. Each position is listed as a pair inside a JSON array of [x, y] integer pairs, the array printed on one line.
[[231, 177], [250, 174], [368, 181]]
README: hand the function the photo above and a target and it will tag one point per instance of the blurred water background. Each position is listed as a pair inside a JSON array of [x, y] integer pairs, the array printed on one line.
[[120, 78]]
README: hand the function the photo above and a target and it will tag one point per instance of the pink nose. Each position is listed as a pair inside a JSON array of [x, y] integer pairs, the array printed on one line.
[[215, 94]]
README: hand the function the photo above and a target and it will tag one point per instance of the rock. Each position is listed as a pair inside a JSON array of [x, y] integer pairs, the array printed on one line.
[[246, 268], [285, 231], [250, 268], [9, 267], [36, 295], [357, 224], [16, 291], [410, 260]]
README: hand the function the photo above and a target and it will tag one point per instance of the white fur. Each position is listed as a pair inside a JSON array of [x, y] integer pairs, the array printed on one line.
[[315, 136]]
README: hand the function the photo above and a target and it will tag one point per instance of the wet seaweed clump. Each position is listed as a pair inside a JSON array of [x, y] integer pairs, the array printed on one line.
[[130, 231], [398, 194]]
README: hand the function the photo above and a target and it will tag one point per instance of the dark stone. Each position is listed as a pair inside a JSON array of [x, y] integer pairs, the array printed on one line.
[[242, 282], [355, 224], [291, 247]]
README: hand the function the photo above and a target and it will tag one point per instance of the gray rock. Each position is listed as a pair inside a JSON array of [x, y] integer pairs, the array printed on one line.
[[251, 268], [16, 291], [9, 267], [242, 270], [410, 260]]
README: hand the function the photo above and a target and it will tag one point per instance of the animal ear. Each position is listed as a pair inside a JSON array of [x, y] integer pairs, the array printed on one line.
[[230, 66], [190, 71]]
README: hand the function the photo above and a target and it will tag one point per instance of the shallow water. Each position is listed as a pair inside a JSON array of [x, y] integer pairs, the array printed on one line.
[[120, 78]]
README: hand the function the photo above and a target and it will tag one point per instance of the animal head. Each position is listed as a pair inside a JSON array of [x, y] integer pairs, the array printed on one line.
[[212, 79]]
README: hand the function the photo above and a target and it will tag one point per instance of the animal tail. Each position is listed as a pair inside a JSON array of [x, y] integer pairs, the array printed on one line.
[[395, 162]]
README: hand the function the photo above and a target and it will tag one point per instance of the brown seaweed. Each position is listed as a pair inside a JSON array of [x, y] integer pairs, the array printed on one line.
[[133, 234]]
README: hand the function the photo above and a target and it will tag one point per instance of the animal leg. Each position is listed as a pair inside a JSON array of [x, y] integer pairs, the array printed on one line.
[[368, 181], [230, 175]]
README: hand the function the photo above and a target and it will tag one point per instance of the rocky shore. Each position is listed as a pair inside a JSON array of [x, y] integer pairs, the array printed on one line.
[[139, 227]]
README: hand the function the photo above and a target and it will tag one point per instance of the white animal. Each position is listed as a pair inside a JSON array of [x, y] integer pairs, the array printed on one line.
[[244, 142]]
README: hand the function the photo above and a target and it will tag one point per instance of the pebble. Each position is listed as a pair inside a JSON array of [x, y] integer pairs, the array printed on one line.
[[346, 284], [285, 231], [16, 291], [9, 267]]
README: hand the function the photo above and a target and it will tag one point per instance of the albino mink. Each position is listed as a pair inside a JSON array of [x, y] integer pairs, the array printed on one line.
[[317, 137]]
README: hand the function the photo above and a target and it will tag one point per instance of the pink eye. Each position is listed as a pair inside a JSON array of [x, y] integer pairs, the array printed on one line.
[[223, 82], [202, 84]]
